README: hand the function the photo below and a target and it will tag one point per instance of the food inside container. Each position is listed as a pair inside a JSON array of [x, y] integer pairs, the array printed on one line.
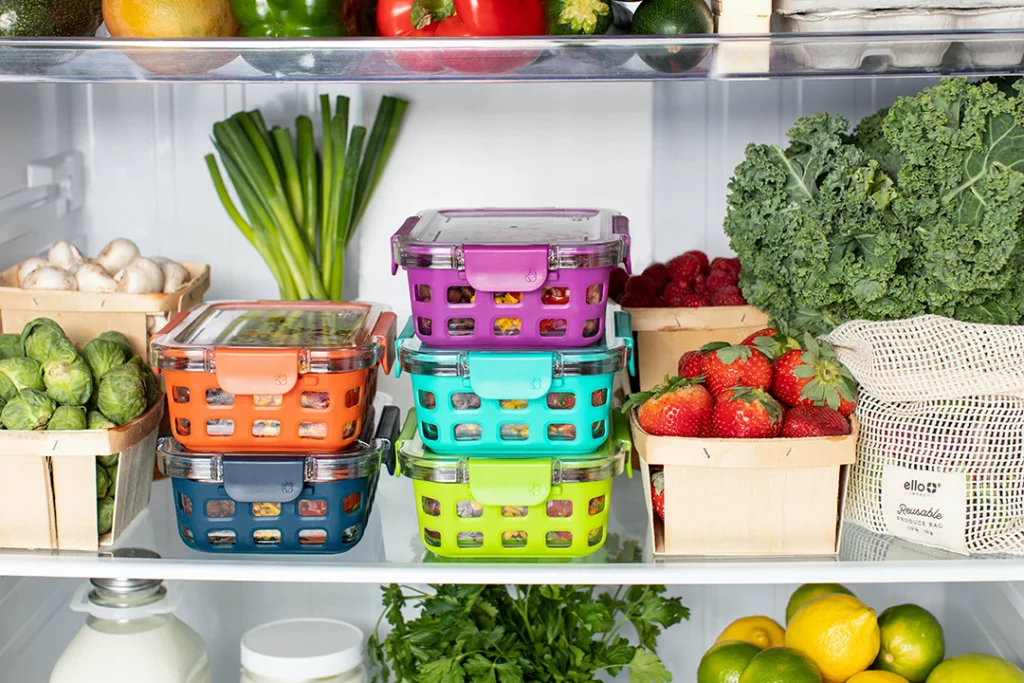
[[541, 507], [510, 278], [273, 377], [287, 502], [480, 402]]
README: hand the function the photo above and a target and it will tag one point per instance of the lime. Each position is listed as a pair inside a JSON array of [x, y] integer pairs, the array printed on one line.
[[975, 668], [725, 661], [809, 592], [780, 665], [760, 631], [877, 677], [912, 643]]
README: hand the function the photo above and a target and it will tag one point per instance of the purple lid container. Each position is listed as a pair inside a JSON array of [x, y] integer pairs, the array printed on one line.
[[493, 246]]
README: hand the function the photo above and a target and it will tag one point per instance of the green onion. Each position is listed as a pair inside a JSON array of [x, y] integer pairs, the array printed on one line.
[[301, 207]]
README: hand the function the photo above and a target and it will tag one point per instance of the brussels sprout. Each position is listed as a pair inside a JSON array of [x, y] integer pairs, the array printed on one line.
[[67, 418], [18, 374], [102, 482], [112, 473], [69, 384], [32, 409], [102, 355], [105, 515], [108, 460], [122, 394], [38, 336], [120, 340], [94, 419], [152, 383], [11, 346]]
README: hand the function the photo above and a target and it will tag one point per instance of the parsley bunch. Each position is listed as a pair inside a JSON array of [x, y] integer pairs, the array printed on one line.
[[541, 634]]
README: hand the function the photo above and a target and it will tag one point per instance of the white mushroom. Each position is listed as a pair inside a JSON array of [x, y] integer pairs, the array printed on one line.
[[141, 276], [49, 277], [29, 265], [66, 256], [91, 277], [176, 275], [116, 256]]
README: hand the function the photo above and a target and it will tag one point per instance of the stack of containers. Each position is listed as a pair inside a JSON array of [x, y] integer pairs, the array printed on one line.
[[512, 446], [275, 445]]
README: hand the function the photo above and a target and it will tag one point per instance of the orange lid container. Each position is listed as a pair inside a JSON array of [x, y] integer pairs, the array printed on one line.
[[273, 376]]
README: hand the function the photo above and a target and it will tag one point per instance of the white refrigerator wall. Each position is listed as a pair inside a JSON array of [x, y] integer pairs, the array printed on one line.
[[36, 623]]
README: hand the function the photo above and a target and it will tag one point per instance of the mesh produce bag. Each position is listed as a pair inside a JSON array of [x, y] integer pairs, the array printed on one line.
[[940, 458]]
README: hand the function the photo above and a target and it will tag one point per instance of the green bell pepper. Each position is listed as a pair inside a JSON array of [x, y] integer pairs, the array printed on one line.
[[289, 18]]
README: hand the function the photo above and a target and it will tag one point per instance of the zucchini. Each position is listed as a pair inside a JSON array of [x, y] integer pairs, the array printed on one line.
[[578, 17]]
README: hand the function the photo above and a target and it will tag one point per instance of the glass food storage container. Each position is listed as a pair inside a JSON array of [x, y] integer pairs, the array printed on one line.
[[303, 651], [510, 278], [555, 506], [515, 403], [291, 503], [273, 376]]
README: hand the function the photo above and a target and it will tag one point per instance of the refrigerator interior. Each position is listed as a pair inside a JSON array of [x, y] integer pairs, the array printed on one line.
[[976, 617], [661, 153]]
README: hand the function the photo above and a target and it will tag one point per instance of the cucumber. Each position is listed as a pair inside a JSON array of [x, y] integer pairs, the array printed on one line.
[[673, 18]]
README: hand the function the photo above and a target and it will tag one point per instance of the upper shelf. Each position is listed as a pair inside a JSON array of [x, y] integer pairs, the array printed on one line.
[[391, 551], [620, 58]]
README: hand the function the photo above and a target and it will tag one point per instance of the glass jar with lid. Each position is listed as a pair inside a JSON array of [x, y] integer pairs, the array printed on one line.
[[303, 651]]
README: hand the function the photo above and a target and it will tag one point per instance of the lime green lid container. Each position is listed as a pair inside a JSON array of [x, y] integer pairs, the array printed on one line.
[[550, 506]]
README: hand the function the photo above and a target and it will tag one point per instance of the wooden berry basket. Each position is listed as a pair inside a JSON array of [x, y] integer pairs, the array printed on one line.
[[664, 334], [49, 483], [747, 496], [83, 315]]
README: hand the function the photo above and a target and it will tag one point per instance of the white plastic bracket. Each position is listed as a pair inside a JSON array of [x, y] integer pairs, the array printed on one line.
[[56, 181]]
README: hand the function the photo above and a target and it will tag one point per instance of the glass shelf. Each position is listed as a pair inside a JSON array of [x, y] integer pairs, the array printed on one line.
[[391, 551], [609, 58]]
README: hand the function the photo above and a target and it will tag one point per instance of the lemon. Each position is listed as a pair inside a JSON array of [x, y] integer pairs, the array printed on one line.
[[974, 668], [725, 661], [912, 643], [760, 631], [811, 591], [780, 665], [838, 632], [877, 677]]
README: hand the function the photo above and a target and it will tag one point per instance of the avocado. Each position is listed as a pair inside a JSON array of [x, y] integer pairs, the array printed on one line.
[[673, 18], [50, 18]]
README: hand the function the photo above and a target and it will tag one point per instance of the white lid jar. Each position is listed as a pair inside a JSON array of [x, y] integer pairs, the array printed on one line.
[[303, 651]]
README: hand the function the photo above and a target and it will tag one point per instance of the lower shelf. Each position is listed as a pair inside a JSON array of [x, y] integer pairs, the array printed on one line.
[[392, 552]]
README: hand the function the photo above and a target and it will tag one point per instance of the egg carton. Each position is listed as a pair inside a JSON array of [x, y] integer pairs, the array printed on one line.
[[837, 54]]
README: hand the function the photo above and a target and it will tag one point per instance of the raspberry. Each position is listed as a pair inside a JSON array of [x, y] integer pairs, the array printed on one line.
[[730, 265], [683, 268], [674, 293], [636, 300], [701, 257], [728, 296], [658, 274], [719, 279], [694, 301], [617, 283], [640, 284], [700, 283], [659, 302]]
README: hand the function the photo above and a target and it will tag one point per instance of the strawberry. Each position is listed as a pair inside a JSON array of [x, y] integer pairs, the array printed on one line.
[[814, 377], [775, 345], [763, 332], [730, 366], [683, 268], [701, 257], [728, 296], [640, 284], [679, 407], [636, 300], [658, 274], [617, 283], [674, 293], [689, 364], [718, 279], [658, 491], [745, 413], [804, 421], [694, 301]]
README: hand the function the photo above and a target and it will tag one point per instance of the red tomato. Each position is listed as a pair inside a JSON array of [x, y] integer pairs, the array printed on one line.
[[502, 17]]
